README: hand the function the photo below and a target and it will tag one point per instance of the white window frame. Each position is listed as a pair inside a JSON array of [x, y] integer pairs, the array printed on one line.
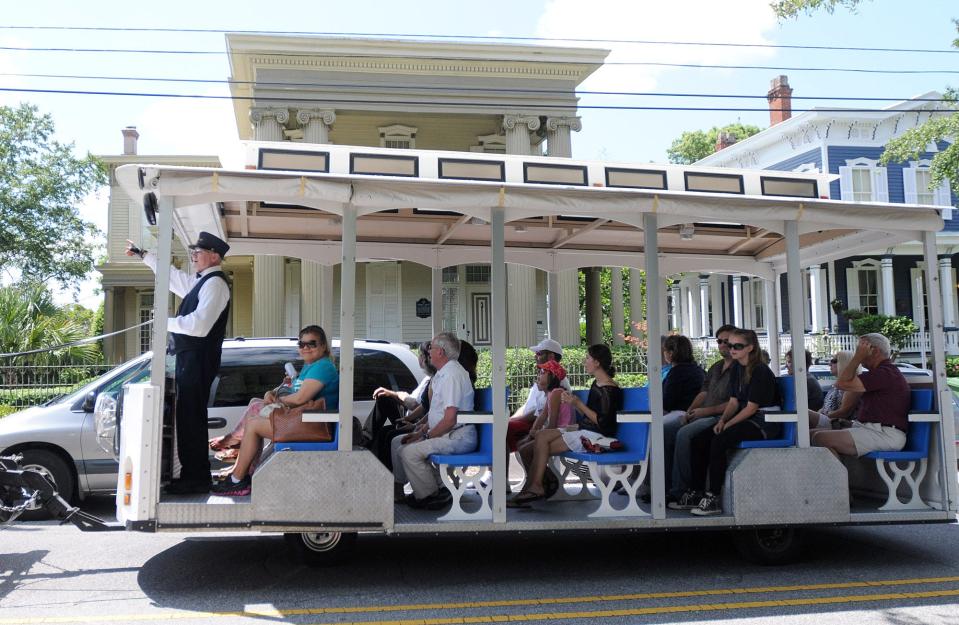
[[910, 184], [877, 176], [398, 132], [852, 283], [490, 144]]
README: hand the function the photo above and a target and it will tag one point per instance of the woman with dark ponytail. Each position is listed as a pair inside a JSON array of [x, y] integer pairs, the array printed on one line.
[[599, 420]]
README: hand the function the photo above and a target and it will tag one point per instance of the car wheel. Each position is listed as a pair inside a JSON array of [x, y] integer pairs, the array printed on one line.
[[770, 546], [321, 548], [51, 466]]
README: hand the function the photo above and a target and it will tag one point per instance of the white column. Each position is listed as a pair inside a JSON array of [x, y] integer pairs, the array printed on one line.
[[779, 302], [745, 287], [567, 316], [716, 283], [316, 290], [635, 299], [704, 329], [737, 302], [948, 287], [617, 307], [695, 309], [559, 135], [817, 311], [687, 313], [676, 319], [772, 329], [268, 123], [517, 129], [436, 309], [521, 295], [316, 124], [552, 304], [831, 290], [268, 295], [796, 329], [888, 287]]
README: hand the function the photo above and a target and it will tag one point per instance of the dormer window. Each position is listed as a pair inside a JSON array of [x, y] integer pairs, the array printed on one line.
[[398, 137]]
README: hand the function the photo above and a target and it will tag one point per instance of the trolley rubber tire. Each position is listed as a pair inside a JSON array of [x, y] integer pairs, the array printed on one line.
[[53, 467], [321, 548], [770, 546]]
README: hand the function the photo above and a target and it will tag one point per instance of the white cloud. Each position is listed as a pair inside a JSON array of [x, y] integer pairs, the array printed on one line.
[[732, 21]]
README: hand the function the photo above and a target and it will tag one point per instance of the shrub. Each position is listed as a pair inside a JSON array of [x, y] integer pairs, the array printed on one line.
[[897, 329], [952, 366]]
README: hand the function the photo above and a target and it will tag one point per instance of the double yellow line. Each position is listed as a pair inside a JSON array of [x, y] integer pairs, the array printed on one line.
[[555, 601]]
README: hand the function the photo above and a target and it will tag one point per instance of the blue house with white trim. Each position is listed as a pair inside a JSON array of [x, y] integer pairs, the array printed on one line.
[[849, 144]]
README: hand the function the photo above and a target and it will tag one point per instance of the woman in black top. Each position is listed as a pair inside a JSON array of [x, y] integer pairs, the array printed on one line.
[[685, 378], [752, 385], [599, 419]]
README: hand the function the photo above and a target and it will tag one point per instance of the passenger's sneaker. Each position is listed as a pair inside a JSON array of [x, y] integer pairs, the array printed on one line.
[[687, 501], [708, 505], [229, 488]]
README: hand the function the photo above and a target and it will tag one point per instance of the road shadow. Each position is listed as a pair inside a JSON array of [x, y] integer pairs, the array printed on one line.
[[229, 573], [15, 568]]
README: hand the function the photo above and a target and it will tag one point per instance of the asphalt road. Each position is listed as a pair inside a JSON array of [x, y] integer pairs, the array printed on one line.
[[886, 574]]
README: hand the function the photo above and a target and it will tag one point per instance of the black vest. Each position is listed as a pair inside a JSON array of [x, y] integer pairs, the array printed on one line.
[[213, 341]]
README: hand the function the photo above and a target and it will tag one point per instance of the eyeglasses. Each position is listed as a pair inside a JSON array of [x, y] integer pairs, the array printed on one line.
[[738, 346], [305, 344], [196, 251]]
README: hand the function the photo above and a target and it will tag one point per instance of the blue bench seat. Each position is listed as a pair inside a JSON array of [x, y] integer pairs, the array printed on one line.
[[915, 455], [614, 469]]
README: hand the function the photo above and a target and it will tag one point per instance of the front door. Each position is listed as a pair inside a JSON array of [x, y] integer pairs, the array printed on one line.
[[480, 318]]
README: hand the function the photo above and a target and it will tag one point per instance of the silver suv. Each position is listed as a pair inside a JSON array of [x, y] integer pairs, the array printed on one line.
[[59, 439]]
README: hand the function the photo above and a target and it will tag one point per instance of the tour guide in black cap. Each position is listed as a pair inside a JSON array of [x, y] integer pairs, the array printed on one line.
[[197, 334]]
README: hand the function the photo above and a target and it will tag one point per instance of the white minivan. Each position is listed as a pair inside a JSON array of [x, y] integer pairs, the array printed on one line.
[[59, 438]]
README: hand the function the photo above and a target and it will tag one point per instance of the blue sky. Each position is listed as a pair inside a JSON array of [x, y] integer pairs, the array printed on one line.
[[206, 127]]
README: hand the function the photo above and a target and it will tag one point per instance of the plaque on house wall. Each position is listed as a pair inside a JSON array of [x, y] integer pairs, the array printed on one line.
[[423, 308]]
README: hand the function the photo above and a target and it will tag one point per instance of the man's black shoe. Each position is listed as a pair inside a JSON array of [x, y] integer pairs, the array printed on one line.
[[438, 500], [187, 487]]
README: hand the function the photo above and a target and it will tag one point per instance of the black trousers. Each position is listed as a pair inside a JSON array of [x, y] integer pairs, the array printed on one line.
[[195, 372], [381, 433], [710, 452]]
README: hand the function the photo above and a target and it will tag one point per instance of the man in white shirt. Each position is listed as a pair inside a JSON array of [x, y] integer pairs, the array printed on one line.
[[522, 420], [196, 339], [452, 393]]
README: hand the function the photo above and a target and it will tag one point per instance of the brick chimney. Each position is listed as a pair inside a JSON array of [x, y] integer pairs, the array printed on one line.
[[724, 140], [130, 136], [780, 100]]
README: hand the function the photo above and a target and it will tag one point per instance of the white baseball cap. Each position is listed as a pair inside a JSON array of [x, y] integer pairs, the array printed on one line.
[[548, 345]]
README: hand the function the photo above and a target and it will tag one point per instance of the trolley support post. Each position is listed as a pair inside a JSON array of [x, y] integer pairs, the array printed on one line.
[[797, 328], [772, 326], [654, 361], [498, 295], [347, 325], [436, 310]]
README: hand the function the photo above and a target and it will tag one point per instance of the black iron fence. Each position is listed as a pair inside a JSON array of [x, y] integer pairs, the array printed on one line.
[[22, 386]]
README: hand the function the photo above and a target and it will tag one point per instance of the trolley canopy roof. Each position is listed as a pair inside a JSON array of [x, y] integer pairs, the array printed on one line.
[[552, 226]]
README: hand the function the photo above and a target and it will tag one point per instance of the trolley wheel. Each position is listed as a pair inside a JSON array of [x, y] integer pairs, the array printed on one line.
[[51, 466], [770, 545], [321, 548]]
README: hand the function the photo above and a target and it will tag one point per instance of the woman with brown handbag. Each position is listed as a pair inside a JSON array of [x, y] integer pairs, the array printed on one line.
[[318, 382]]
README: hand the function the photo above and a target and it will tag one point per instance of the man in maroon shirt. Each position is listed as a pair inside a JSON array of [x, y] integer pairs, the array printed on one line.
[[883, 410]]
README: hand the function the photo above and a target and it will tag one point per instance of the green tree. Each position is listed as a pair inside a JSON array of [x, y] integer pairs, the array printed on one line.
[[42, 182], [694, 145], [30, 320], [913, 142]]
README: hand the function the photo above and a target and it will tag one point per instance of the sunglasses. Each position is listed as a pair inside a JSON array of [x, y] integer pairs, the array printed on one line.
[[305, 344], [722, 341], [738, 346], [833, 361]]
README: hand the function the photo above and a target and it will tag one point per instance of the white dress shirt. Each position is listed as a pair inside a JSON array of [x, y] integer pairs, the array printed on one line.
[[213, 297]]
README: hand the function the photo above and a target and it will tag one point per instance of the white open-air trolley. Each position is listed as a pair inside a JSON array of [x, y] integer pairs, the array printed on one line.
[[443, 209]]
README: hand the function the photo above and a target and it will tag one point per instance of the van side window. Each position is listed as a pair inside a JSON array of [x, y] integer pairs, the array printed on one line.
[[249, 372], [374, 369]]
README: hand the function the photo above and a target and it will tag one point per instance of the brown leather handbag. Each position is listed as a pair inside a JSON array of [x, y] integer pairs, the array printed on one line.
[[289, 427]]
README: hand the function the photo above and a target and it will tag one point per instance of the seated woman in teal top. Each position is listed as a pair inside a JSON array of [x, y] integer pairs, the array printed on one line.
[[318, 380]]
